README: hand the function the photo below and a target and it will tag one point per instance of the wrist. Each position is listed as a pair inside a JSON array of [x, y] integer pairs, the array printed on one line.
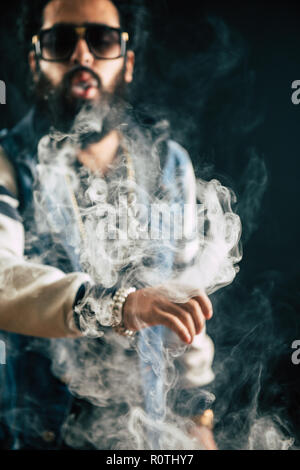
[[91, 309], [127, 312], [96, 308], [120, 313]]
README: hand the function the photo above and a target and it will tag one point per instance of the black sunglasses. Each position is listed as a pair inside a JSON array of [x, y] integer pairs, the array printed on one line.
[[57, 44]]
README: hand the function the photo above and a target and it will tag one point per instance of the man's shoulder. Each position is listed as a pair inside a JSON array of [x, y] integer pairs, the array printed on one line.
[[17, 158], [156, 132], [3, 133], [178, 154], [177, 160], [3, 153], [8, 179], [21, 138]]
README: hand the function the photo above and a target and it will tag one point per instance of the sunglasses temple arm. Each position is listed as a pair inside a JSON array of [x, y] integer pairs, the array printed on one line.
[[124, 41], [37, 46]]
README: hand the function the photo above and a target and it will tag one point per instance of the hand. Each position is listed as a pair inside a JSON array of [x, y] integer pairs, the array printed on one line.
[[147, 307]]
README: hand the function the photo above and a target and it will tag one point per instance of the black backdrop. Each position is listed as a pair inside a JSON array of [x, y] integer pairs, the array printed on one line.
[[226, 89]]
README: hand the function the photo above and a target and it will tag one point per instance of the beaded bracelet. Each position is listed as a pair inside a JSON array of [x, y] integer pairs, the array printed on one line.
[[117, 311]]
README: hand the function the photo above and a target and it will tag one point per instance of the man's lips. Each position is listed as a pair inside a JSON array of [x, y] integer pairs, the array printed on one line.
[[84, 85]]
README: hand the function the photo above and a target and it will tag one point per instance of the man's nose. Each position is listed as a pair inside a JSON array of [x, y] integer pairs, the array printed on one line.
[[81, 54]]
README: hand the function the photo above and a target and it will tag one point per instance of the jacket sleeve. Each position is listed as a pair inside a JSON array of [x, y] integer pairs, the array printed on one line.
[[35, 299], [195, 365]]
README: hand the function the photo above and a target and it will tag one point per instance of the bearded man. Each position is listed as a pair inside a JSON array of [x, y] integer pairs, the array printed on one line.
[[79, 147]]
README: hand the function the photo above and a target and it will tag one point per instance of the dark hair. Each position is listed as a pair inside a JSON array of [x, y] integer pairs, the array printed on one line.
[[133, 18]]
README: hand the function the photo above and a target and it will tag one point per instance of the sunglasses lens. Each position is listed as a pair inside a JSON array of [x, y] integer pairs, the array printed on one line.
[[105, 43], [58, 43]]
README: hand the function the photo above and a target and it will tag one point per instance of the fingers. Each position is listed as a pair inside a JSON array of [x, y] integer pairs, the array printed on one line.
[[192, 316], [186, 320], [196, 315], [185, 315], [175, 324], [205, 304]]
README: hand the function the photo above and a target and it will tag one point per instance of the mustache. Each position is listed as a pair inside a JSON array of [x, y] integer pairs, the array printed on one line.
[[79, 68], [57, 104]]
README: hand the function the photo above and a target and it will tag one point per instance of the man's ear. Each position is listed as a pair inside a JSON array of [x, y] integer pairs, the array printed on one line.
[[130, 59], [33, 65]]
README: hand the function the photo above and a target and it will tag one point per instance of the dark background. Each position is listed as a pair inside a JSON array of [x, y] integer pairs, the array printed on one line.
[[227, 93]]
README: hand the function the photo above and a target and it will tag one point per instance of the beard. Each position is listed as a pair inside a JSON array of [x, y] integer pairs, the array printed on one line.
[[86, 121]]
